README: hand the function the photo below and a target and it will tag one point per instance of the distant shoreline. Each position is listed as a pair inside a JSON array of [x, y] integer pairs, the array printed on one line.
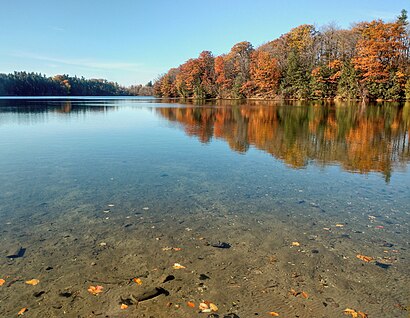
[[278, 99]]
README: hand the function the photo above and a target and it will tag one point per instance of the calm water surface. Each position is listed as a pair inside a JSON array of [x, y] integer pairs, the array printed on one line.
[[311, 165], [329, 154]]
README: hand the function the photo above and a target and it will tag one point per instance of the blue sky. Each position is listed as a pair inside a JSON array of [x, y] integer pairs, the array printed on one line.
[[133, 42]]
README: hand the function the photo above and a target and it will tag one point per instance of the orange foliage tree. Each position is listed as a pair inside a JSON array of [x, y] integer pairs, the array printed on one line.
[[196, 77], [378, 55], [264, 75], [378, 50]]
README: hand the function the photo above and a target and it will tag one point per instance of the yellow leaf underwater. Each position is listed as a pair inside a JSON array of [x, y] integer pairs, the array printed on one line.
[[273, 313], [213, 307], [95, 290], [295, 244], [178, 266], [354, 313], [137, 281], [32, 282]]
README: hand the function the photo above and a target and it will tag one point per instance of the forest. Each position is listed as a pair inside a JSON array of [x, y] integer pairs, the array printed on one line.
[[35, 84], [369, 61]]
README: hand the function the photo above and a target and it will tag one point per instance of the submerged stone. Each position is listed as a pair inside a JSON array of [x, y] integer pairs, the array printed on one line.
[[204, 277], [221, 245]]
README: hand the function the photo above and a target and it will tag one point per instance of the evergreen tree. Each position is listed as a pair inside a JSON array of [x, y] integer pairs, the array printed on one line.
[[296, 81], [348, 87]]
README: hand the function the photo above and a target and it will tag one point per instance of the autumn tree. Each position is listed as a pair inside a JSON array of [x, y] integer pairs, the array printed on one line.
[[207, 75], [196, 77], [378, 53], [264, 76], [164, 86], [223, 77], [238, 62]]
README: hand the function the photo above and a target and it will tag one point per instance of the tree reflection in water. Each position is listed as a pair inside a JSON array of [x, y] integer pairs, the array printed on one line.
[[363, 139]]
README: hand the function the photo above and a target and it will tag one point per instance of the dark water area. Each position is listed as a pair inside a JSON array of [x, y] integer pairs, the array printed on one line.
[[101, 190]]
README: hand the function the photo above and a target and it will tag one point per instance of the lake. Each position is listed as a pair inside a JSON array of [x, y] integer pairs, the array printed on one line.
[[298, 208]]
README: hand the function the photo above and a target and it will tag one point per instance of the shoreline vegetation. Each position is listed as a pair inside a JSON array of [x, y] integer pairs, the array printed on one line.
[[369, 61], [37, 84]]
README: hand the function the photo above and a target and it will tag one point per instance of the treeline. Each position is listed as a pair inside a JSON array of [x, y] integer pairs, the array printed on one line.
[[141, 90], [371, 60], [35, 84]]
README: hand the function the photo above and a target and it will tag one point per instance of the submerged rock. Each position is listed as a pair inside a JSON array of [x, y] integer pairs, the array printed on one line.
[[147, 295], [221, 245], [168, 278], [203, 277]]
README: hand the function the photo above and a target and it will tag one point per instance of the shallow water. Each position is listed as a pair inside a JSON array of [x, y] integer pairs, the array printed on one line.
[[259, 175]]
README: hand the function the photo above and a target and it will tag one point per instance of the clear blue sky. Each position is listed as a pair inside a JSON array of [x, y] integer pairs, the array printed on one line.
[[134, 41]]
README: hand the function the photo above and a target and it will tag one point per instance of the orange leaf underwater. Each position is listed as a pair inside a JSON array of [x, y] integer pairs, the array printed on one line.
[[273, 313], [95, 290], [124, 306], [302, 293], [364, 258], [137, 281], [305, 295], [22, 311], [190, 304], [2, 281]]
